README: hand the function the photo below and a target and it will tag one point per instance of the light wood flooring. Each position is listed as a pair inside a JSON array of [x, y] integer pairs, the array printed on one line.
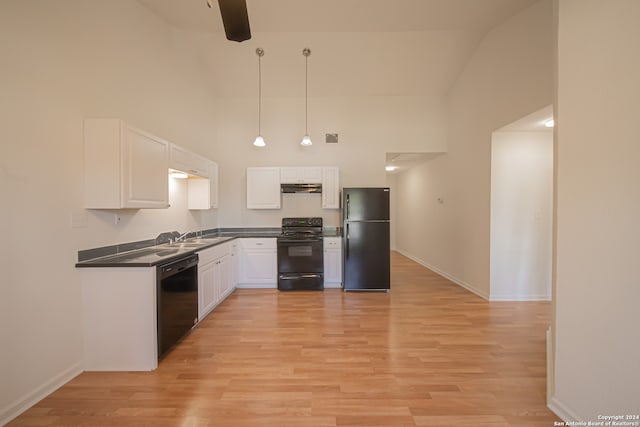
[[428, 353]]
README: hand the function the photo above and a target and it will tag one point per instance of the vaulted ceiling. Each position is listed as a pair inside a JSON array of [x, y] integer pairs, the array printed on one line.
[[346, 15], [359, 47]]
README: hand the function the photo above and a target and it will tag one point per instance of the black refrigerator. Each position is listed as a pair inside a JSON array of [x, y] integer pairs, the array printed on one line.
[[366, 257]]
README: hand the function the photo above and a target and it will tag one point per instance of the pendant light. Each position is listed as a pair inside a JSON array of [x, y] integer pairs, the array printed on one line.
[[306, 140], [259, 142]]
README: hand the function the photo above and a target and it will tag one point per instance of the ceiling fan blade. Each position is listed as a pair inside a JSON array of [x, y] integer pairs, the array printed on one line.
[[235, 19]]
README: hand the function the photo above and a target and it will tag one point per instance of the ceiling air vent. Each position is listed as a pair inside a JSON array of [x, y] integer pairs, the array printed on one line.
[[331, 138]]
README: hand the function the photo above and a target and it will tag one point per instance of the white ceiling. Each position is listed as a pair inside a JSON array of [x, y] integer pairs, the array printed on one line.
[[359, 47], [345, 15], [534, 122]]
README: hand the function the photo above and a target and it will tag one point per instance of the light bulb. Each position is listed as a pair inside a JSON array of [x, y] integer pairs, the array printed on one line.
[[259, 142], [178, 174], [306, 141], [549, 123]]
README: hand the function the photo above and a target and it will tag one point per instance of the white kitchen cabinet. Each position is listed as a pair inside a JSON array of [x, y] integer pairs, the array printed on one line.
[[119, 318], [233, 262], [198, 193], [332, 262], [263, 188], [213, 184], [186, 161], [214, 277], [226, 286], [208, 277], [257, 266], [124, 167], [300, 175], [203, 192], [331, 187]]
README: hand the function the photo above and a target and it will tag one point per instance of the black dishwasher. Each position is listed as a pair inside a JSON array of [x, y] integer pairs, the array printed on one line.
[[177, 300]]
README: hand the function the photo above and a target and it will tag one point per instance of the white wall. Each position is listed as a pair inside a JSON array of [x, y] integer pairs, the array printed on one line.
[[66, 60], [62, 61], [508, 76], [368, 127], [369, 124], [597, 272], [521, 215]]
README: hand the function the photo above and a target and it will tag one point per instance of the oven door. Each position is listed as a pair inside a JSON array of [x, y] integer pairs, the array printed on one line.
[[300, 264]]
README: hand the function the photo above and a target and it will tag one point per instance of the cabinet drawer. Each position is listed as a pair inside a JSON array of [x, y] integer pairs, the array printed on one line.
[[213, 253], [258, 243], [332, 242]]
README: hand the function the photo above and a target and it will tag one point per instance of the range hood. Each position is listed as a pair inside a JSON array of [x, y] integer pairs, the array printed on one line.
[[301, 188]]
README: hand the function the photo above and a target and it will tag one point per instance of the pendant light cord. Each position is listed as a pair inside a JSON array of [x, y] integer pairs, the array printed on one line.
[[306, 52], [306, 95], [259, 141], [259, 93]]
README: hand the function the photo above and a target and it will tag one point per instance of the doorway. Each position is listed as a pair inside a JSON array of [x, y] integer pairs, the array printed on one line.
[[522, 209]]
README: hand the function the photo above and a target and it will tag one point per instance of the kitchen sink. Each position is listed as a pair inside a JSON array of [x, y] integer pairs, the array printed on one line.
[[189, 245], [167, 252], [207, 240]]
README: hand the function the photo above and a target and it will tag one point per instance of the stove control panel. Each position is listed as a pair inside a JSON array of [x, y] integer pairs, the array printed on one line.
[[302, 222]]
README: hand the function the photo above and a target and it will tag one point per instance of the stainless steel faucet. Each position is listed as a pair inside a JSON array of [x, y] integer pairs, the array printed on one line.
[[181, 237]]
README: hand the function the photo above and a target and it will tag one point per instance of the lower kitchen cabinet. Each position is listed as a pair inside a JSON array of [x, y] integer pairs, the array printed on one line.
[[215, 277], [257, 263], [332, 262]]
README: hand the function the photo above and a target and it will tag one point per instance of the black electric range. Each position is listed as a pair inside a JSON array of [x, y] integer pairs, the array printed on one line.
[[300, 255]]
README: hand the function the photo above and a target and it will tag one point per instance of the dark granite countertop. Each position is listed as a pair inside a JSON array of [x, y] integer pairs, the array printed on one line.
[[147, 253]]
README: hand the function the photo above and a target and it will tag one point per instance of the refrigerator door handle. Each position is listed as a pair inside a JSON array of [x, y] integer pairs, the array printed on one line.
[[347, 203], [346, 244]]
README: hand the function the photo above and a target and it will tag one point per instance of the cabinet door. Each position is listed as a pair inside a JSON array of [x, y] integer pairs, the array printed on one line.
[[332, 266], [206, 289], [144, 170], [333, 262], [233, 263], [213, 184], [225, 277], [311, 175], [300, 175], [331, 188], [289, 175], [263, 188], [203, 192], [124, 167], [258, 266], [198, 197], [258, 262]]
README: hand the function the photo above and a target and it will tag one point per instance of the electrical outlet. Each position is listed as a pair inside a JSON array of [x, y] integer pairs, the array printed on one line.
[[117, 219]]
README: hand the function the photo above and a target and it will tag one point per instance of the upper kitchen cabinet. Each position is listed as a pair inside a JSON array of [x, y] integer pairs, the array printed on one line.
[[203, 192], [184, 160], [263, 188], [203, 177], [300, 175], [124, 167], [213, 184], [331, 187]]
